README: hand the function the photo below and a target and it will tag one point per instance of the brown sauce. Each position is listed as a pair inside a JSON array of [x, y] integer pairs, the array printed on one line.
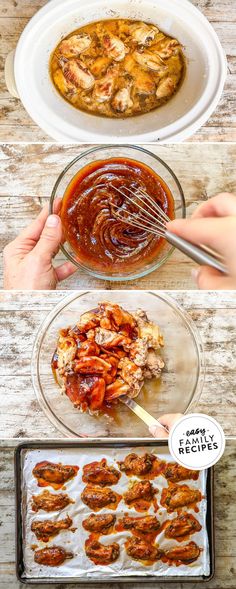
[[100, 240]]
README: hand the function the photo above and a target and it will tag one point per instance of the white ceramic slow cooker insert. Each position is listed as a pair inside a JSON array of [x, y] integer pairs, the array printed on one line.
[[178, 119]]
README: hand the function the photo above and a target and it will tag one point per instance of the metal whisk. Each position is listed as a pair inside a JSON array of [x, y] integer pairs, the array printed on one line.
[[153, 219]]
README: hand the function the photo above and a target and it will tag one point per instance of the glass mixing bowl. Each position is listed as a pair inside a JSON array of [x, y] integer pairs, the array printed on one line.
[[107, 152], [177, 390]]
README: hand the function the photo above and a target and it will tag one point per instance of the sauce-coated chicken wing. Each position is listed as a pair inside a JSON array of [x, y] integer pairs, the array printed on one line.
[[175, 497], [101, 523], [52, 556], [137, 465], [175, 472], [98, 473], [97, 497], [183, 554], [138, 549], [101, 554], [140, 495], [146, 524], [55, 475], [46, 529], [50, 502], [182, 526]]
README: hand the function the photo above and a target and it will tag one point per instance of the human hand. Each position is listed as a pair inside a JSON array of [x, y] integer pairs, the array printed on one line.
[[168, 421], [214, 225], [28, 259]]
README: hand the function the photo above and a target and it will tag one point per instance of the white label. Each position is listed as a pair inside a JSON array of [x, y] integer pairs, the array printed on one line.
[[196, 441]]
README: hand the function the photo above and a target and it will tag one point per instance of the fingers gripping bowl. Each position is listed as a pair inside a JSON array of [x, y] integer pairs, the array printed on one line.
[[94, 238], [178, 388], [176, 120]]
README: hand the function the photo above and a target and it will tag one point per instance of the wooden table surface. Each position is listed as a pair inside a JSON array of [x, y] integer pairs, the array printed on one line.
[[214, 314], [28, 173], [225, 528], [16, 125]]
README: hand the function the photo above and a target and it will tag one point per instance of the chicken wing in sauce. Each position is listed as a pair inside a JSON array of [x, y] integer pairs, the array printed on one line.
[[101, 554], [139, 490], [137, 465], [97, 497], [183, 554], [50, 502], [146, 524], [54, 475], [178, 496], [138, 549], [101, 523], [98, 473], [183, 525], [175, 472], [52, 556], [46, 529]]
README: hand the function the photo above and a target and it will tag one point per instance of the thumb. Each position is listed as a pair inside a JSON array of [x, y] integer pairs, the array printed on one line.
[[50, 239], [210, 279]]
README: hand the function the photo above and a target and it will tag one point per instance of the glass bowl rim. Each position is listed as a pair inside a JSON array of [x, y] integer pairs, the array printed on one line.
[[48, 320], [144, 271]]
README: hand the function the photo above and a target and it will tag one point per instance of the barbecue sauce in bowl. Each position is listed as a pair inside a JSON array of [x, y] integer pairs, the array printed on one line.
[[99, 239]]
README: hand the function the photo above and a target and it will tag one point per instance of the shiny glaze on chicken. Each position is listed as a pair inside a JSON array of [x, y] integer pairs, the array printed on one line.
[[53, 475], [50, 501], [145, 466], [99, 553], [140, 495], [103, 357], [117, 68], [97, 497], [182, 554], [175, 472], [52, 556], [99, 473], [46, 529], [182, 526], [175, 497], [138, 549], [100, 523]]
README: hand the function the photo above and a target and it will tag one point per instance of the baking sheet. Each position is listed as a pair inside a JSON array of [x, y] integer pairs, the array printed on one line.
[[81, 566]]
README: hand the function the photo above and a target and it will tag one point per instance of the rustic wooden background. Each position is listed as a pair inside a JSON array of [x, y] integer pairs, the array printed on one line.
[[225, 527], [16, 125], [21, 314], [28, 173]]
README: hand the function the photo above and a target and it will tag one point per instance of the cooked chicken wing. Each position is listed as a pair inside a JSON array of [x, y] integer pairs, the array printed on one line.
[[116, 389], [139, 351], [97, 497], [150, 61], [75, 45], [55, 475], [168, 47], [175, 472], [103, 88], [146, 524], [183, 525], [138, 549], [66, 350], [50, 502], [142, 33], [154, 365], [183, 554], [165, 88], [101, 554], [176, 496], [132, 374], [149, 330], [101, 523], [99, 473], [89, 320], [76, 73], [139, 490], [114, 47], [91, 365], [109, 339], [137, 465], [122, 100], [85, 392], [52, 556], [46, 529]]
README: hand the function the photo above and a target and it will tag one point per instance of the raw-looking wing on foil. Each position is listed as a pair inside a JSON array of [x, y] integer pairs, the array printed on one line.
[[108, 353], [92, 227], [117, 68]]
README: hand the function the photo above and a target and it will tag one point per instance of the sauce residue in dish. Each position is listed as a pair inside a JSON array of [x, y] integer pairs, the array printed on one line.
[[117, 68], [100, 240]]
